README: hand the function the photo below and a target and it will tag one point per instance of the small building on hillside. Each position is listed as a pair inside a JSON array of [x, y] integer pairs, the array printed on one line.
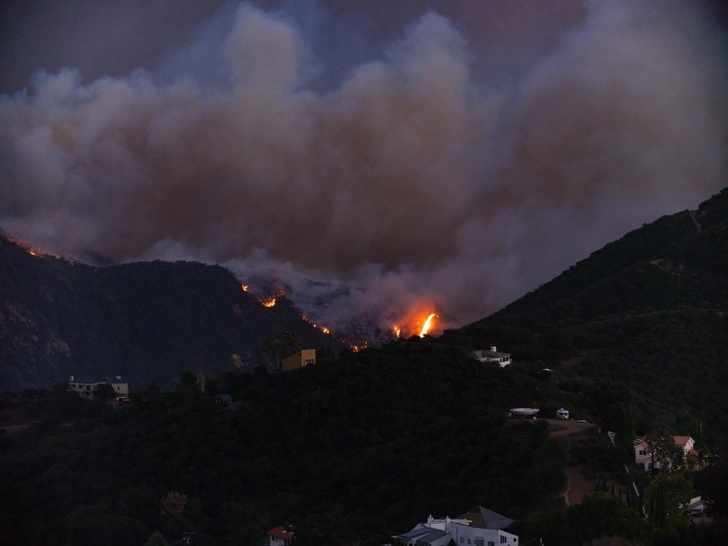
[[643, 457], [477, 527], [85, 387], [492, 355], [279, 536], [300, 359]]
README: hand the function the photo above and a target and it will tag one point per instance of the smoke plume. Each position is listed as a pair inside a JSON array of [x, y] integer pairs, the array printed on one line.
[[449, 162]]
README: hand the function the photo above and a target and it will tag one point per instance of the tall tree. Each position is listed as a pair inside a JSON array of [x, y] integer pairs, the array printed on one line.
[[662, 449], [282, 346]]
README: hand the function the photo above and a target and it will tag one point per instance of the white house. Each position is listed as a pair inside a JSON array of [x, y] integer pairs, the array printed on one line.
[[643, 457], [502, 359], [478, 527], [85, 387]]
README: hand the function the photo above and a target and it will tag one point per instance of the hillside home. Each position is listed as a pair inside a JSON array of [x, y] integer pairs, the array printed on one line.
[[643, 457], [299, 360], [492, 355], [279, 536], [85, 387], [478, 527]]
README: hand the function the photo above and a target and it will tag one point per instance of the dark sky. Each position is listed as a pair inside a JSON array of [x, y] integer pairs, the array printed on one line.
[[437, 154]]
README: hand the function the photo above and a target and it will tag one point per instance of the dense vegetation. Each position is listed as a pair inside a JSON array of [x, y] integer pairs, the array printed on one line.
[[363, 446], [145, 321], [649, 310], [360, 447]]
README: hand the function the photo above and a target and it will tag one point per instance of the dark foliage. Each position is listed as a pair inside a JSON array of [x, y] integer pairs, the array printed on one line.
[[145, 321]]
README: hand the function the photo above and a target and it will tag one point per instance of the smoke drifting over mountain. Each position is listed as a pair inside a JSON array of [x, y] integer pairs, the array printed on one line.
[[443, 155]]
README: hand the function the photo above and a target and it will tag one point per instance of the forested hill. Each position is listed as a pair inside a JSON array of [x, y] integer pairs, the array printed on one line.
[[677, 261], [145, 321], [649, 310]]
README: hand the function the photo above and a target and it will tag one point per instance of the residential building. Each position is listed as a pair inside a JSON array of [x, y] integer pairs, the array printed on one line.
[[492, 355], [643, 457], [478, 527], [279, 536], [300, 359], [85, 387]]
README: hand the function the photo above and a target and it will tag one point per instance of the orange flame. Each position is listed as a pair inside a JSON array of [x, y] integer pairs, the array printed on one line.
[[397, 331], [428, 325], [269, 303], [32, 253], [325, 330], [245, 287]]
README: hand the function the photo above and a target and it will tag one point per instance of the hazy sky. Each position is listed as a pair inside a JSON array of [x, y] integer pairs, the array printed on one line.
[[434, 154]]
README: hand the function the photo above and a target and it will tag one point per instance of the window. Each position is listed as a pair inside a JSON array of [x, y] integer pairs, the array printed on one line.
[[88, 387], [462, 539], [491, 543], [479, 542], [503, 539]]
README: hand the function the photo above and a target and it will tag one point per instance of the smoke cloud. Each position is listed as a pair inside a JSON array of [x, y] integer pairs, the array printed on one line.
[[457, 162]]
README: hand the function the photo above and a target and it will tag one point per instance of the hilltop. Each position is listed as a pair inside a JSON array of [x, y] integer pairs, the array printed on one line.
[[145, 321], [649, 310]]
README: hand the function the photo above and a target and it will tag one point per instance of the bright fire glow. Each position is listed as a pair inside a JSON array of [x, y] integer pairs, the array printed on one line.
[[32, 253], [245, 287], [325, 330], [397, 331], [270, 303], [428, 325]]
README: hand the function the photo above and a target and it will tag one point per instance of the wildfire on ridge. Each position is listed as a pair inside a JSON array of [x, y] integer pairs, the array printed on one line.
[[325, 330], [397, 331], [427, 326], [245, 287], [269, 302]]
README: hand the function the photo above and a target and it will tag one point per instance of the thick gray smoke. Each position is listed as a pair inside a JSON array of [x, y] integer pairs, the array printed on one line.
[[432, 176]]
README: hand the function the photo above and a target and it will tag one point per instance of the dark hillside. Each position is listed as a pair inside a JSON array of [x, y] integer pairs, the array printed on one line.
[[361, 448], [649, 311], [678, 260], [145, 321]]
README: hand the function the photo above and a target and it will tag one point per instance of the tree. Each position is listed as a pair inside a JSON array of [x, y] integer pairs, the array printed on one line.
[[662, 449], [187, 385], [666, 496], [281, 346], [156, 539], [610, 405], [173, 503], [105, 391]]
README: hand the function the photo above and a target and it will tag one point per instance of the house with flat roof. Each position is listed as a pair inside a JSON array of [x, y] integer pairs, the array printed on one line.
[[477, 527], [85, 387], [491, 355], [306, 357]]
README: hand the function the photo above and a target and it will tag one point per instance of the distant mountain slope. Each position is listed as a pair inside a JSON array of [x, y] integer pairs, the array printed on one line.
[[146, 321], [679, 260], [649, 310]]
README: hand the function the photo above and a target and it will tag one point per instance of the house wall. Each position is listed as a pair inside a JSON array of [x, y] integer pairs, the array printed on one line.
[[464, 535], [300, 359]]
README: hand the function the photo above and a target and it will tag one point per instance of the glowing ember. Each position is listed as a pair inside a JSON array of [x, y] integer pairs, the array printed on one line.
[[245, 287], [325, 330], [397, 331], [32, 253], [270, 303], [428, 324]]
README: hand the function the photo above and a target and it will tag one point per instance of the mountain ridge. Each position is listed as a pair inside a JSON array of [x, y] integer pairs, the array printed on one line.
[[146, 321]]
